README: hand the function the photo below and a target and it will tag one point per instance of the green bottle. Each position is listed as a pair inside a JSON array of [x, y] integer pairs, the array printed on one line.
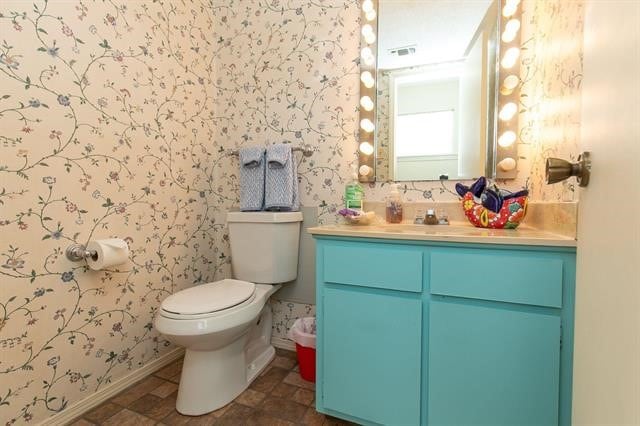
[[354, 193]]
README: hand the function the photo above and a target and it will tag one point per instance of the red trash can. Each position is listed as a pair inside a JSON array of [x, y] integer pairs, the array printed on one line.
[[303, 333]]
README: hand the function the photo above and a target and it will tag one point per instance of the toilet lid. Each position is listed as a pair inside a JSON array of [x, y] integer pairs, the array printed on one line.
[[208, 298]]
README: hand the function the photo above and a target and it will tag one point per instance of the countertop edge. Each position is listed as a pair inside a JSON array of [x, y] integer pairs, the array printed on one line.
[[550, 240]]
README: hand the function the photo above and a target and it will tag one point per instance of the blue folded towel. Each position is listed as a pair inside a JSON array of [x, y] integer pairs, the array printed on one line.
[[281, 182], [252, 167]]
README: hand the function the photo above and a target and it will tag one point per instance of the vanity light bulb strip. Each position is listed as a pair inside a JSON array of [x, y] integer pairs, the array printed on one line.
[[509, 94], [366, 133]]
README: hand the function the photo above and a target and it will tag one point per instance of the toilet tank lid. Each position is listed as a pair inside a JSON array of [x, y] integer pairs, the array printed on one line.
[[264, 217]]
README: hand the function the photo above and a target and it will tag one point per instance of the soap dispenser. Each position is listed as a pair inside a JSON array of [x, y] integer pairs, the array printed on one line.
[[394, 205], [354, 192]]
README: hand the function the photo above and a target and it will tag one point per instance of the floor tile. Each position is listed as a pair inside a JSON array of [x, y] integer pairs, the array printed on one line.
[[250, 398], [278, 397], [260, 418], [165, 389], [303, 396], [294, 378], [128, 418], [102, 412], [284, 390], [82, 422], [222, 411], [176, 378], [287, 354], [332, 421], [145, 403], [170, 370], [284, 362], [236, 415], [313, 418], [138, 390], [283, 408], [267, 382], [204, 420], [176, 419], [155, 407]]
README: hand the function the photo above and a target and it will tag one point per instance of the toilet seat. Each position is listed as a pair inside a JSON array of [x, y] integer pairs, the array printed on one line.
[[208, 299]]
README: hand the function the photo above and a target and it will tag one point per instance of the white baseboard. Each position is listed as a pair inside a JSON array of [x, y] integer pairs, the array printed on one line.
[[282, 343], [79, 408]]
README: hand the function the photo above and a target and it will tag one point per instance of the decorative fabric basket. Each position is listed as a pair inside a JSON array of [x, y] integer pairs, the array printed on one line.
[[491, 207], [509, 216]]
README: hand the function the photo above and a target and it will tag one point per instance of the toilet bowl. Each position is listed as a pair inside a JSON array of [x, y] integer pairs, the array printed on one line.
[[226, 348], [225, 326]]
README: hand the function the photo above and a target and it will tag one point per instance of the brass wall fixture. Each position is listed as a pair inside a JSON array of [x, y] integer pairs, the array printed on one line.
[[558, 170]]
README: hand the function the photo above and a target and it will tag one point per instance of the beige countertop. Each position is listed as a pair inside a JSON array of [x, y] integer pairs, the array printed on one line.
[[454, 233]]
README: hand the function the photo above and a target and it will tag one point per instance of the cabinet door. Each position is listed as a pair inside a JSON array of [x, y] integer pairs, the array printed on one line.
[[371, 355], [492, 364]]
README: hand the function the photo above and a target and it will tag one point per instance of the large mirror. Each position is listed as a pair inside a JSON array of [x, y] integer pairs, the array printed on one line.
[[436, 89]]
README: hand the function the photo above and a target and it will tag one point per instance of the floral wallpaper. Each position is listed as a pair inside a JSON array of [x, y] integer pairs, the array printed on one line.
[[286, 312], [116, 118], [551, 74], [107, 120]]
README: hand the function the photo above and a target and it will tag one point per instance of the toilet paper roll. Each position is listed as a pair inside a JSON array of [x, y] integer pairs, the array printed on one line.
[[109, 252]]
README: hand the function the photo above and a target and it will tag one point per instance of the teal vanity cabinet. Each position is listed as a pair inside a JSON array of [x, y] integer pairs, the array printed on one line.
[[432, 333]]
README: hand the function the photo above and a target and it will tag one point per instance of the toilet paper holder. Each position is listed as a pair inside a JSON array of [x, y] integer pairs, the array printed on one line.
[[77, 252]]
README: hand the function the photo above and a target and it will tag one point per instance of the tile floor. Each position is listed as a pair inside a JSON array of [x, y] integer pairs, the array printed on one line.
[[279, 397]]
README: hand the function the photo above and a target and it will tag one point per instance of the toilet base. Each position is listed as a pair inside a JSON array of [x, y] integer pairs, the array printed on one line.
[[212, 379]]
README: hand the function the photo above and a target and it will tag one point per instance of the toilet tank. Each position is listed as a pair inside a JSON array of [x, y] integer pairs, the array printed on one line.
[[264, 246]]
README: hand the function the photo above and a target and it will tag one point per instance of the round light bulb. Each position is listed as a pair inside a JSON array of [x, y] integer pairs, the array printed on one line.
[[513, 2], [367, 79], [510, 57], [367, 29], [370, 38], [509, 9], [367, 6], [367, 125], [507, 139], [512, 26], [370, 15], [508, 111], [365, 170], [510, 82], [366, 148], [367, 56], [369, 60], [367, 103], [510, 31], [507, 164]]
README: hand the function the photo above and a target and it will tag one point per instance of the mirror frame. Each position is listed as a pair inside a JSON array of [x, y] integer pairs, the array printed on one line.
[[502, 164]]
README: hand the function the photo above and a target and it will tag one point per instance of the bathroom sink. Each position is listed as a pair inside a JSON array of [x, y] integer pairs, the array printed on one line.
[[408, 228]]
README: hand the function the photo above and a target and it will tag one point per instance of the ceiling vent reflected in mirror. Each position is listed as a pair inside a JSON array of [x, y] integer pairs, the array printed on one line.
[[403, 51]]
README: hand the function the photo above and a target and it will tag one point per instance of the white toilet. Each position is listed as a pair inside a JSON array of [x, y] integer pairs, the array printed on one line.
[[225, 326]]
